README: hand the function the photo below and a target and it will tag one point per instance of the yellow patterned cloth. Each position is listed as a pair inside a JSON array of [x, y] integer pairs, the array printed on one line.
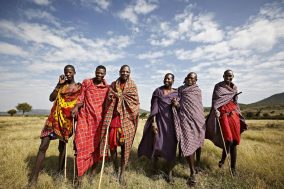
[[59, 122]]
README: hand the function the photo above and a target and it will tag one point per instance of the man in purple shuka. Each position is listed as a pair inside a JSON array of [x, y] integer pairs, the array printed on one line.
[[159, 137], [191, 130]]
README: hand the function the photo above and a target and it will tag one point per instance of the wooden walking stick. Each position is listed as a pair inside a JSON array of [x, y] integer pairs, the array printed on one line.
[[224, 145], [103, 163], [65, 162], [74, 159]]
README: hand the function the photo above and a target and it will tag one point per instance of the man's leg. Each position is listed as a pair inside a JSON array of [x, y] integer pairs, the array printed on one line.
[[40, 157], [179, 152], [190, 160], [224, 155], [198, 155], [61, 159], [113, 154], [169, 177], [233, 151], [93, 169], [122, 168], [155, 165]]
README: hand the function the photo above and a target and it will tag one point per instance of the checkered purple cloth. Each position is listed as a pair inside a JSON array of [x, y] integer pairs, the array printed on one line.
[[191, 130]]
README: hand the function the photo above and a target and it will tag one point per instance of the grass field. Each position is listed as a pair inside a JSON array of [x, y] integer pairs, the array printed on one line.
[[260, 161]]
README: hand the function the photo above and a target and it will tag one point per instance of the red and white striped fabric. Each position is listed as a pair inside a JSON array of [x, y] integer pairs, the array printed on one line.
[[89, 123]]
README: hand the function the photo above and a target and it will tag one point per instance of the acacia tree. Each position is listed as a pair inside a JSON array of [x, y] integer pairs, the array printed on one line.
[[25, 107], [12, 112]]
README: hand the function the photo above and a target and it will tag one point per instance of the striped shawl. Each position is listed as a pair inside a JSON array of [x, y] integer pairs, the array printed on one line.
[[127, 105]]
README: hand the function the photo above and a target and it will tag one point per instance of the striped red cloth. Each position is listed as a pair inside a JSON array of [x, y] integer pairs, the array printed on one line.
[[126, 103], [89, 124]]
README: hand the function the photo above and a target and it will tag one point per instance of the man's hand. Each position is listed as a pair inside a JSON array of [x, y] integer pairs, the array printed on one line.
[[154, 128], [175, 102], [74, 111], [62, 79], [217, 113]]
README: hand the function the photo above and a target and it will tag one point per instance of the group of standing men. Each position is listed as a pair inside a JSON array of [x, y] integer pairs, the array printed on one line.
[[108, 114], [177, 120]]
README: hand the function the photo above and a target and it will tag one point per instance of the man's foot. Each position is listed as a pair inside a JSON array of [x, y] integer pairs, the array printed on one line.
[[121, 180], [32, 183], [234, 171], [78, 182], [197, 169], [169, 178], [191, 181], [220, 164]]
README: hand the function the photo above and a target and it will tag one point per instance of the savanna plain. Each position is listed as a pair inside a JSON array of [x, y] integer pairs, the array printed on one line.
[[260, 162]]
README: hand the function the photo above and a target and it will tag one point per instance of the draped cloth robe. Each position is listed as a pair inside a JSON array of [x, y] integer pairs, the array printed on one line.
[[165, 142], [126, 103], [89, 123], [222, 95], [191, 130]]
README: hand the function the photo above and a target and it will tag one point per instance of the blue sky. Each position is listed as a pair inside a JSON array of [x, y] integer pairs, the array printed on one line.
[[39, 37]]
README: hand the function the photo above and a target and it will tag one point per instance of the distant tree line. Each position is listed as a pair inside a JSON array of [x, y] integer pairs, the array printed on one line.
[[259, 115], [22, 107]]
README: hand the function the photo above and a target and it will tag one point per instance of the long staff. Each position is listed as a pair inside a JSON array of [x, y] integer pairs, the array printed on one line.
[[65, 161], [224, 146], [103, 163], [74, 159]]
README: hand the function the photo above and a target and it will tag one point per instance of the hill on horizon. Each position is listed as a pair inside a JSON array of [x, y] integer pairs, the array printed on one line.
[[270, 107], [274, 100]]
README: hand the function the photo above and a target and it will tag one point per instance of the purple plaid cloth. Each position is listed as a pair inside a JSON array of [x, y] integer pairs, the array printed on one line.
[[222, 95], [191, 130]]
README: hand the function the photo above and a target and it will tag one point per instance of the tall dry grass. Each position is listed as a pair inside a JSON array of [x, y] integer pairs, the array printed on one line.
[[260, 160]]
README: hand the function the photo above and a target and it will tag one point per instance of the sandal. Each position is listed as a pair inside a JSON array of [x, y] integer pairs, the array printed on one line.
[[191, 181], [198, 170], [234, 172], [220, 164], [169, 178]]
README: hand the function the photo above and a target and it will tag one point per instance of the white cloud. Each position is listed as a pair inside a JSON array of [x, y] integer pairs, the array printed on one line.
[[262, 32], [42, 67], [188, 27], [165, 42], [42, 2], [131, 12], [33, 33], [144, 7], [206, 52], [163, 72], [65, 47], [151, 55], [35, 14], [182, 54], [159, 75], [98, 5], [272, 10], [9, 49], [260, 35]]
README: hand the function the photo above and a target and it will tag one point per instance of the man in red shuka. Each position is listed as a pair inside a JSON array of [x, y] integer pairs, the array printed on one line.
[[226, 109], [89, 110]]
